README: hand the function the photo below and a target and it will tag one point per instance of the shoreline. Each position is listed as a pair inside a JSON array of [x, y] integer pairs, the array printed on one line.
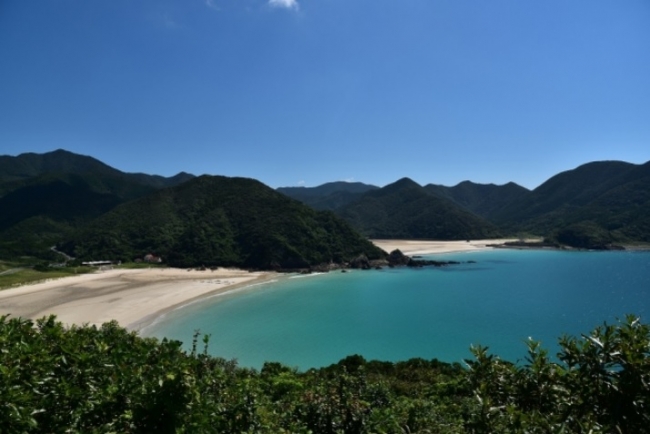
[[145, 322], [136, 298], [133, 298], [430, 247]]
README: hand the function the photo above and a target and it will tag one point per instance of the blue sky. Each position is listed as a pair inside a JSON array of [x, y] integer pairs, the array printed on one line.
[[302, 92]]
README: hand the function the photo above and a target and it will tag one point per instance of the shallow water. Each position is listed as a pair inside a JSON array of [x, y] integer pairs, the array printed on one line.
[[396, 314]]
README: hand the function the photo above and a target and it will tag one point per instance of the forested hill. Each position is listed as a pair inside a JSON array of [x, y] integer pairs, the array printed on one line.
[[43, 197], [406, 210], [597, 205], [215, 220], [591, 206], [331, 196], [482, 199], [31, 165]]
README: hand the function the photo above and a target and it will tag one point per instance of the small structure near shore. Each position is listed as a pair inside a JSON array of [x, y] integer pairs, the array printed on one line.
[[97, 263]]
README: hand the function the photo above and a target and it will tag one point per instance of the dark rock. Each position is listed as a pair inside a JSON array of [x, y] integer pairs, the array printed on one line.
[[360, 262], [424, 262], [396, 257]]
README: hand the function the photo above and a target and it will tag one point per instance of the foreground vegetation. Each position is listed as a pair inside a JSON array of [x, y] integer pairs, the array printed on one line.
[[99, 380]]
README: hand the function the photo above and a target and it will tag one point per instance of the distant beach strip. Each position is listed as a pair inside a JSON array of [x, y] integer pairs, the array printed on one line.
[[420, 247]]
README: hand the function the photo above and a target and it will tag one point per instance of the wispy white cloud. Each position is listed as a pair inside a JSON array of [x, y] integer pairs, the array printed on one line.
[[348, 180], [211, 4], [287, 4], [168, 21], [301, 183]]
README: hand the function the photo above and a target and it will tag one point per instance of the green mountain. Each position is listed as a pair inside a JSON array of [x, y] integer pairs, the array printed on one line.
[[44, 197], [215, 220], [591, 206], [407, 210], [45, 209], [329, 196], [65, 198], [481, 199], [31, 165]]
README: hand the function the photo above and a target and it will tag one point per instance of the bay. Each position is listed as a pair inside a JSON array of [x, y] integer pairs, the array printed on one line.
[[499, 301]]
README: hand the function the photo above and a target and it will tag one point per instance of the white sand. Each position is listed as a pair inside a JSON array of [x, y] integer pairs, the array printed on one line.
[[131, 297], [135, 297], [413, 247]]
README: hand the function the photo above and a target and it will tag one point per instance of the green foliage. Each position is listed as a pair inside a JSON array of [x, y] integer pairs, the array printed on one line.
[[44, 197], [591, 206], [106, 379], [89, 379], [481, 199], [14, 170], [41, 271], [600, 384], [406, 210], [219, 221], [32, 237], [329, 196], [587, 235]]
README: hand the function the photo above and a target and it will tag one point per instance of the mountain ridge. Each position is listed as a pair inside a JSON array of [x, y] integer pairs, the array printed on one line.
[[29, 165], [45, 198], [404, 209], [328, 196]]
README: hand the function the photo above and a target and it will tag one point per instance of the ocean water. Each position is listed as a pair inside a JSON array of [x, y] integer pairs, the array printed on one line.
[[499, 301]]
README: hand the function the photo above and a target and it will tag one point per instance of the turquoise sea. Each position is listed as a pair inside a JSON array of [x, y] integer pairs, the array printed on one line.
[[395, 314]]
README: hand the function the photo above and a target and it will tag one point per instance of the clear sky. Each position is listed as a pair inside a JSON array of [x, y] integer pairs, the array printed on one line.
[[302, 92]]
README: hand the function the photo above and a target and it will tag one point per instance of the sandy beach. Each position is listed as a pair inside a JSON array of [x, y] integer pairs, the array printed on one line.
[[418, 247], [131, 297], [136, 297]]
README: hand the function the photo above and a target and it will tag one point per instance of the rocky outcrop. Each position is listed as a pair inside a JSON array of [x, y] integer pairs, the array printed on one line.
[[397, 258], [361, 262], [425, 262]]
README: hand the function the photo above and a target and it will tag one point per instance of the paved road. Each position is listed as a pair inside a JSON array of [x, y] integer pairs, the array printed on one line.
[[67, 258]]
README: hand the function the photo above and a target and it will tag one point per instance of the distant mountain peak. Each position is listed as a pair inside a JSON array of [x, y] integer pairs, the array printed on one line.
[[404, 182], [61, 151], [401, 184]]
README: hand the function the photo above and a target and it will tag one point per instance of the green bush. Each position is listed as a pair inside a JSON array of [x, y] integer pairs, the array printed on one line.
[[105, 379]]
